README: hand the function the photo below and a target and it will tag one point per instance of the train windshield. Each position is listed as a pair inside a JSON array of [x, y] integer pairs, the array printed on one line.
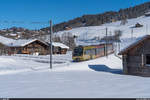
[[78, 51]]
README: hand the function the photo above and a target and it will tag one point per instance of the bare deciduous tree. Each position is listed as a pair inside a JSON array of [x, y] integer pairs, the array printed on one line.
[[68, 39]]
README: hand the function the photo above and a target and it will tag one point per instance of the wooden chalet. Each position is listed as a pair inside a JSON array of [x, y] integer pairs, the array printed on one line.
[[31, 46], [136, 57]]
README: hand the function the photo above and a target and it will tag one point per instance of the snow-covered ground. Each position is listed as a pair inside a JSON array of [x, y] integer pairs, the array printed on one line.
[[30, 75], [27, 77], [20, 63]]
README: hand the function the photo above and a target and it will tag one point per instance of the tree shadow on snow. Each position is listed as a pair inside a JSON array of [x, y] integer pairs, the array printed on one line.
[[104, 68]]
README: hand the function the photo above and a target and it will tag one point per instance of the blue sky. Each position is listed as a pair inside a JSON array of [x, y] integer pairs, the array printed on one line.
[[28, 11]]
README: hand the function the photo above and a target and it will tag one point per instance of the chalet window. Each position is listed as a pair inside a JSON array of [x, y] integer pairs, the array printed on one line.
[[147, 59]]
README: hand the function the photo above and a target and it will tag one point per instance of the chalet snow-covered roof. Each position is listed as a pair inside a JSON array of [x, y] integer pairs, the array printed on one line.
[[15, 43], [5, 40], [58, 44], [23, 42], [133, 44]]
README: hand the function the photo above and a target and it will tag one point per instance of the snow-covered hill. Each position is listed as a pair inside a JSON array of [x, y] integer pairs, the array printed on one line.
[[86, 33]]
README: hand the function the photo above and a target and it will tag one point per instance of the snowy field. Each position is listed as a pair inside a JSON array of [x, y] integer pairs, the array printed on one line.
[[30, 77], [21, 63]]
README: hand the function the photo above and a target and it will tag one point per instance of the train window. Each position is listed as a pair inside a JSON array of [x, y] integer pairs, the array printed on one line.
[[78, 51], [96, 51], [93, 51], [89, 52], [86, 52], [99, 50]]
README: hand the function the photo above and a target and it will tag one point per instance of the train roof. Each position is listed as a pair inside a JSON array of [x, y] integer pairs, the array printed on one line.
[[94, 44]]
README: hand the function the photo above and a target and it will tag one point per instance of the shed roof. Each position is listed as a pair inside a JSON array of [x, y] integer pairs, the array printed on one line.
[[133, 44], [58, 44]]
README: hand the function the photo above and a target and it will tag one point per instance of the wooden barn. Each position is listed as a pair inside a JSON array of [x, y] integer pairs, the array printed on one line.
[[59, 48], [31, 46], [136, 57]]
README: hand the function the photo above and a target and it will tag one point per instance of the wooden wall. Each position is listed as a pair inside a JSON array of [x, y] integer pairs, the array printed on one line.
[[134, 61]]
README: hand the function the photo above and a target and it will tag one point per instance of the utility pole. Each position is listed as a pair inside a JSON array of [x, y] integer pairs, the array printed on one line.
[[86, 36], [106, 43], [51, 32], [119, 44], [146, 29], [132, 33]]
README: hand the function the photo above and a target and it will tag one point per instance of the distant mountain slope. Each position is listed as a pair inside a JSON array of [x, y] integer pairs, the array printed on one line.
[[107, 17], [98, 32]]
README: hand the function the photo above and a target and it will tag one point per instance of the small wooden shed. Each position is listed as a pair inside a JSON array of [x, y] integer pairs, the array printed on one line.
[[136, 57], [59, 48]]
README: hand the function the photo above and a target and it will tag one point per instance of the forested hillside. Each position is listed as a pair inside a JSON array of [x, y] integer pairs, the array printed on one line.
[[107, 17]]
